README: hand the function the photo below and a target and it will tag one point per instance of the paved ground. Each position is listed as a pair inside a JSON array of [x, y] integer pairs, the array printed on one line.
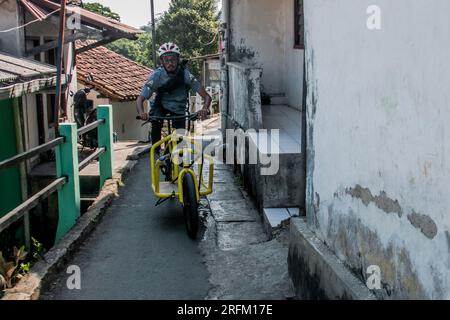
[[142, 252], [209, 126], [122, 149], [137, 251], [241, 262]]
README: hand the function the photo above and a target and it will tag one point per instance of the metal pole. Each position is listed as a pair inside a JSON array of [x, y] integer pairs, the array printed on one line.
[[153, 34], [60, 52]]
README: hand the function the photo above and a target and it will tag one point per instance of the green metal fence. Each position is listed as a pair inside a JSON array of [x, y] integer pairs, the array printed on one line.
[[67, 183]]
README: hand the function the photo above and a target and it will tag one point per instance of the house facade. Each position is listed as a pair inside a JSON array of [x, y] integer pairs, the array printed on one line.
[[262, 52], [30, 29], [20, 81], [28, 45], [377, 143], [374, 141]]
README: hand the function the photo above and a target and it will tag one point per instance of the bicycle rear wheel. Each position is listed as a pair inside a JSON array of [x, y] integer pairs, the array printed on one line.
[[190, 207]]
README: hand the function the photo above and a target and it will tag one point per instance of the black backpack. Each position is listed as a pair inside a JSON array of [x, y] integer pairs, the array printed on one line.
[[174, 83]]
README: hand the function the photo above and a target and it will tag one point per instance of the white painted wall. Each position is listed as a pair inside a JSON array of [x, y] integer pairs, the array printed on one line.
[[378, 110], [257, 36], [125, 123], [124, 117], [262, 35], [293, 68]]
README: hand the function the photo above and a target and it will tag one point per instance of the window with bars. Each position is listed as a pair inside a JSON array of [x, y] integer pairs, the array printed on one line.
[[299, 25]]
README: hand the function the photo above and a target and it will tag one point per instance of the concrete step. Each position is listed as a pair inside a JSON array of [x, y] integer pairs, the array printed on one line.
[[276, 218], [226, 192], [236, 210]]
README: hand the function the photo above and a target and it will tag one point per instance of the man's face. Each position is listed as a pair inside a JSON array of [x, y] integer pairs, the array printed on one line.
[[170, 62]]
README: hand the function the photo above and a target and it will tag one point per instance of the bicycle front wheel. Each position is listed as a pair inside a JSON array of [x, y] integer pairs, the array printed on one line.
[[190, 207]]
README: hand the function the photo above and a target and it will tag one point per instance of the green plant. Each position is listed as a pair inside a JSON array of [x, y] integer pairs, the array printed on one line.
[[10, 270], [37, 251]]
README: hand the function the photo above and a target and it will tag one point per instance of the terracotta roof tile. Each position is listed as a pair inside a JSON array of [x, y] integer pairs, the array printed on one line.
[[114, 75]]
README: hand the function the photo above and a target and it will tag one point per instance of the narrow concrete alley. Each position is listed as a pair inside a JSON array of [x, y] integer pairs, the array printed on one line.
[[139, 251]]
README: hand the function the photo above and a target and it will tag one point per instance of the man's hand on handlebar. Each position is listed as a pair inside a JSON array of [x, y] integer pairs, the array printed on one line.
[[145, 117], [203, 114]]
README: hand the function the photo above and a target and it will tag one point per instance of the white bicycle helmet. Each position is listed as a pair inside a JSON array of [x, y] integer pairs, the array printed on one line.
[[168, 47]]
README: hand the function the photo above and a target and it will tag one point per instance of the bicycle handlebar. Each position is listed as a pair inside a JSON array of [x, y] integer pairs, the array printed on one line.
[[192, 116]]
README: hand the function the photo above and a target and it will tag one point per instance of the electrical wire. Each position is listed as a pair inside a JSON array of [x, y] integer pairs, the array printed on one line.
[[212, 41], [28, 23], [197, 25], [209, 31]]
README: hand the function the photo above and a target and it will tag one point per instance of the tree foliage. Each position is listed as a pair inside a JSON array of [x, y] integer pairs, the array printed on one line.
[[191, 24], [102, 10], [137, 50]]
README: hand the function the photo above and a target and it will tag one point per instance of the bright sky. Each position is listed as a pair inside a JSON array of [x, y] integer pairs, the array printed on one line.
[[135, 13]]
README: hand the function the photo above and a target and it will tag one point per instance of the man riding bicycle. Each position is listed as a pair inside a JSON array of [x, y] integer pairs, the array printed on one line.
[[171, 83]]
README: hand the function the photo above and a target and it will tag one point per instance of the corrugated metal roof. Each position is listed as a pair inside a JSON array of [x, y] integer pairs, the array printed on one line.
[[18, 89], [6, 76], [20, 69]]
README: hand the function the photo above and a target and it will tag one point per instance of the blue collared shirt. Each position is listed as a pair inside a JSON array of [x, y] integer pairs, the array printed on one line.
[[177, 99]]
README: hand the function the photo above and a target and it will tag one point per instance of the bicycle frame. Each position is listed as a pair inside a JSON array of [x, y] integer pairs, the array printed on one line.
[[166, 190]]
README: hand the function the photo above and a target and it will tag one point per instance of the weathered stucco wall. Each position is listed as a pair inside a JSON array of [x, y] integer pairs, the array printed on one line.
[[48, 28], [378, 140], [10, 17], [244, 96]]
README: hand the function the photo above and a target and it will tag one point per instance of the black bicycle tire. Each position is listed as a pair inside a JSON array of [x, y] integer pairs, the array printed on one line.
[[190, 206], [167, 163]]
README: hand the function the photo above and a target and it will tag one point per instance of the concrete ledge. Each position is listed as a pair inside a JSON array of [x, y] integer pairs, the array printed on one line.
[[139, 152], [284, 189], [316, 272], [41, 275]]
